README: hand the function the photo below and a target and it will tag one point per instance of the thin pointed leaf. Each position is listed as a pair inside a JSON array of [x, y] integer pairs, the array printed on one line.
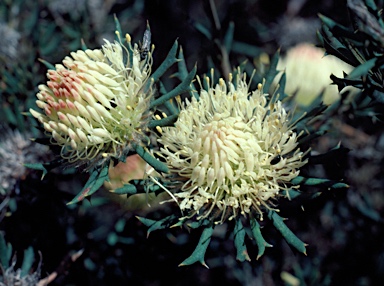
[[329, 184], [47, 64], [184, 86], [169, 61], [228, 38], [4, 252], [37, 166], [241, 248], [260, 241], [147, 157], [95, 181], [198, 223], [272, 72], [362, 69], [27, 261], [201, 248], [157, 224], [288, 235], [127, 189], [168, 121]]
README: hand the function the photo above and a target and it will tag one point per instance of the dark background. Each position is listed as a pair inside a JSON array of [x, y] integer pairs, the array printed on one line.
[[344, 229]]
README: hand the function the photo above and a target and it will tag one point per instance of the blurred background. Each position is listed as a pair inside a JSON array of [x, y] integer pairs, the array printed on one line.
[[344, 229]]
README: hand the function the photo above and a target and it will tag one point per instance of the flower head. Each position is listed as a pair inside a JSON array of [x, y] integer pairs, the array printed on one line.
[[233, 150], [97, 101]]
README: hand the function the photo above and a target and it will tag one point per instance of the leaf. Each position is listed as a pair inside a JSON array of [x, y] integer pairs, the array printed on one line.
[[199, 252], [95, 181], [362, 69], [288, 235], [157, 224], [167, 121], [166, 64], [184, 86], [228, 38], [47, 64], [27, 261], [272, 72], [239, 233], [260, 241], [329, 184], [127, 189], [37, 166], [5, 252], [147, 157]]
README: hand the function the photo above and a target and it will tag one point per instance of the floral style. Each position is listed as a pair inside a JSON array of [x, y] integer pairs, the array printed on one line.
[[233, 151], [96, 102]]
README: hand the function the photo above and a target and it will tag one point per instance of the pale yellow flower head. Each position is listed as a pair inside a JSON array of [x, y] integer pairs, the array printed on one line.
[[232, 150], [96, 101]]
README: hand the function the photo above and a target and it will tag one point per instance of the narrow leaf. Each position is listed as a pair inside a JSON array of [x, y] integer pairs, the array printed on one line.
[[330, 184], [362, 69], [27, 261], [199, 252], [157, 224], [147, 157], [260, 241], [95, 181], [239, 233], [288, 235]]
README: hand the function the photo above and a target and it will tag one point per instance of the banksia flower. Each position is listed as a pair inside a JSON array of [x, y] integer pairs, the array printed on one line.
[[96, 103], [233, 151]]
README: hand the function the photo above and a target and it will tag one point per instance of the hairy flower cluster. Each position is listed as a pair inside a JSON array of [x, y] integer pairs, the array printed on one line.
[[233, 150], [96, 102]]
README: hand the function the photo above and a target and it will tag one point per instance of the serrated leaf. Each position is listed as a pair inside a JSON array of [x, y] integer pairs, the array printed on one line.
[[201, 248], [260, 241], [288, 235], [239, 236], [95, 181], [157, 224], [29, 256]]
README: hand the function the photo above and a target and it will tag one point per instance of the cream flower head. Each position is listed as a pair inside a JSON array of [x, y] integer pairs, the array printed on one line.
[[232, 150], [97, 101]]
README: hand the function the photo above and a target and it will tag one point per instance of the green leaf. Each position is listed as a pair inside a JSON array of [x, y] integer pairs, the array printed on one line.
[[95, 181], [198, 223], [239, 233], [199, 252], [168, 121], [166, 64], [260, 241], [272, 72], [228, 38], [127, 189], [37, 166], [5, 254], [47, 64], [288, 235], [27, 261], [157, 224], [362, 69], [329, 184], [147, 157], [184, 86]]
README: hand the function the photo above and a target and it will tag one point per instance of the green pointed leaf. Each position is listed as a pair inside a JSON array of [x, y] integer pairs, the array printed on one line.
[[5, 254], [362, 69], [127, 189], [183, 73], [312, 136], [201, 248], [239, 236], [147, 157], [260, 241], [291, 194], [168, 121], [47, 64], [167, 63], [202, 29], [288, 235], [198, 223], [228, 38], [272, 72], [329, 184], [157, 224], [184, 86], [37, 166], [95, 181], [27, 261]]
